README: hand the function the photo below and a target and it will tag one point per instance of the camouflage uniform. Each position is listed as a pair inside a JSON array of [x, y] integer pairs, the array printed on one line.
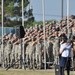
[[32, 55], [46, 47], [6, 53], [56, 46], [16, 56], [50, 50], [0, 54], [69, 32], [13, 56], [27, 55], [19, 55], [9, 51], [39, 48], [73, 31]]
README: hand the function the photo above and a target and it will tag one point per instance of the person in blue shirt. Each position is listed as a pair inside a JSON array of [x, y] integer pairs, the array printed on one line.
[[65, 51]]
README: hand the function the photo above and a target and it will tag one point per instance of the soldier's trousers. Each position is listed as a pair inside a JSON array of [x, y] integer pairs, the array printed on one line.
[[38, 60], [74, 56], [74, 50], [32, 60], [55, 52], [27, 59]]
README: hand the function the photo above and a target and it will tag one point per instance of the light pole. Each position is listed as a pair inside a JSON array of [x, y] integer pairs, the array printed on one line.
[[43, 11], [2, 33]]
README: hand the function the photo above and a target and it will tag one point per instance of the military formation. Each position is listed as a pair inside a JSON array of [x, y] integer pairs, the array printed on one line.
[[33, 44]]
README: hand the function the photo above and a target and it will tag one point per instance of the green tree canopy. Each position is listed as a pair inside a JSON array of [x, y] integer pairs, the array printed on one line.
[[0, 12], [13, 12]]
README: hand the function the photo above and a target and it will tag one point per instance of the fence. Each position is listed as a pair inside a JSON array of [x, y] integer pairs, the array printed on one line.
[[7, 30]]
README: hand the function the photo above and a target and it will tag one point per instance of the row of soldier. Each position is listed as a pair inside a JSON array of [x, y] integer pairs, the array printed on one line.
[[34, 44]]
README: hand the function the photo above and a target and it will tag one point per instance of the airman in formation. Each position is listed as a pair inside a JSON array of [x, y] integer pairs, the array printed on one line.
[[34, 45]]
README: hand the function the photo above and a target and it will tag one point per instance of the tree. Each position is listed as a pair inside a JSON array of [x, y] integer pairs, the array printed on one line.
[[13, 12], [0, 12]]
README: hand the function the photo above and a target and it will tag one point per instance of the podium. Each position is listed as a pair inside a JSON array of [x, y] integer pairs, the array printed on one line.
[[57, 69], [57, 66]]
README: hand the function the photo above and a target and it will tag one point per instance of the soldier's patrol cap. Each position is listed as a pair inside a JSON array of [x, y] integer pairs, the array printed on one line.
[[58, 24], [50, 23], [10, 34], [50, 27], [37, 35], [74, 20], [39, 31], [47, 32], [4, 35], [53, 30], [53, 22], [14, 35], [32, 37], [38, 38], [56, 32], [53, 27], [40, 26], [50, 33], [30, 34]]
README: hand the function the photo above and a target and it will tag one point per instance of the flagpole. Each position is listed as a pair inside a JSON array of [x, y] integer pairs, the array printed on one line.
[[68, 17], [43, 11], [23, 67], [22, 12], [2, 33], [62, 9]]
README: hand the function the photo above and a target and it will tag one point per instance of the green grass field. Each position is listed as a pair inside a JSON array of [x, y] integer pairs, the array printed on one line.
[[28, 72]]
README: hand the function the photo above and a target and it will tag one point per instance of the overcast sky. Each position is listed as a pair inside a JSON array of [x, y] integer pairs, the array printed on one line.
[[52, 9]]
